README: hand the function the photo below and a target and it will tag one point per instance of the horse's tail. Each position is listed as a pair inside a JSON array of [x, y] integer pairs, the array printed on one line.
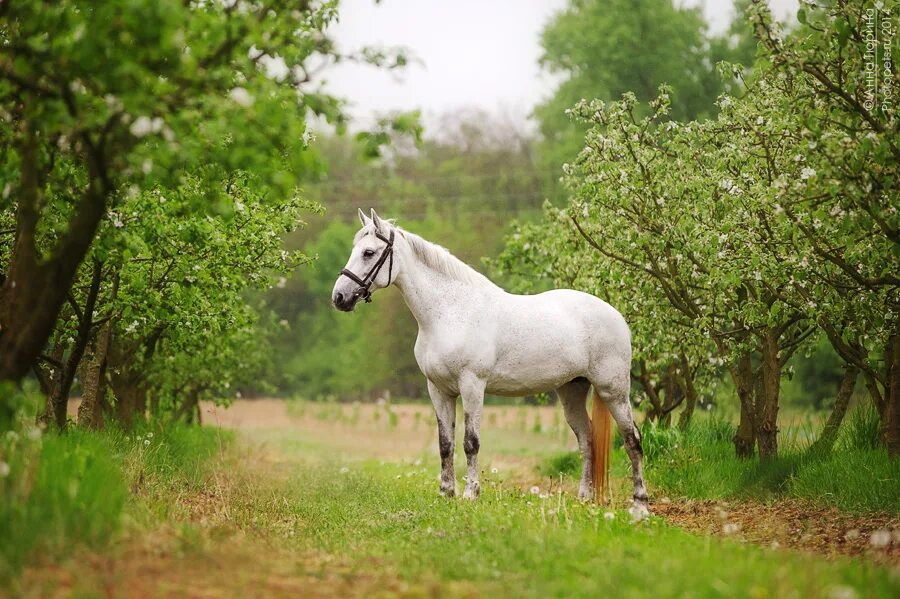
[[601, 442]]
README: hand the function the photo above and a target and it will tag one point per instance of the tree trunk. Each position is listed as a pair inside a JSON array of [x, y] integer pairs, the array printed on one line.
[[93, 373], [890, 414], [687, 382], [93, 381], [60, 393], [826, 440], [131, 397], [53, 380], [767, 399], [745, 437], [34, 290], [650, 391]]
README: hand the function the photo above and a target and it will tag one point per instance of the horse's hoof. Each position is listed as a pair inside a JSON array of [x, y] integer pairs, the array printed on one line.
[[639, 511], [585, 492], [448, 491], [471, 492]]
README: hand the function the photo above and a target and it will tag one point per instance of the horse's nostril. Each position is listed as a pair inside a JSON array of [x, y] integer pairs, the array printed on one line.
[[339, 298]]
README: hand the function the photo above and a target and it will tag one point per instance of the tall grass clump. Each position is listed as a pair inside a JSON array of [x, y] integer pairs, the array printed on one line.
[[856, 476], [62, 491], [862, 429], [55, 492], [567, 463]]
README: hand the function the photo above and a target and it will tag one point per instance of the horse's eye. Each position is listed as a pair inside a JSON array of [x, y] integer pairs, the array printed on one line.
[[369, 253]]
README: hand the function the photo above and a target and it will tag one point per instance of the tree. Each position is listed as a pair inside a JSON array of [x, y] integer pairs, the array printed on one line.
[[842, 212], [604, 48], [754, 225], [103, 100]]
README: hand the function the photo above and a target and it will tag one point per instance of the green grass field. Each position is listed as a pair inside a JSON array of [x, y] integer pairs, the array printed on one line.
[[342, 501]]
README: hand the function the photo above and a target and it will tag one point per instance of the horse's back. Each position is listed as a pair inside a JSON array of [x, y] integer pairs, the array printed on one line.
[[541, 341], [590, 315]]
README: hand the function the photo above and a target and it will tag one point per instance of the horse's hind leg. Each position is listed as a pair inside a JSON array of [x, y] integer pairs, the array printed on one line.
[[445, 411], [573, 397], [613, 386]]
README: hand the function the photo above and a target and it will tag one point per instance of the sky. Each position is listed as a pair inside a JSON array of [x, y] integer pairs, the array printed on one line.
[[479, 54]]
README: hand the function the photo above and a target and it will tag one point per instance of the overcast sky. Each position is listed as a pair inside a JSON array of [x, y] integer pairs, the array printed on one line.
[[474, 53]]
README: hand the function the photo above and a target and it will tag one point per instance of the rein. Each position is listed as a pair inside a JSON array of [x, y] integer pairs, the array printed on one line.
[[364, 290]]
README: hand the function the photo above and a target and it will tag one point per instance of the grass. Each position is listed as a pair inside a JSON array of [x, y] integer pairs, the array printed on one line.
[[71, 490], [329, 502], [857, 476], [387, 516]]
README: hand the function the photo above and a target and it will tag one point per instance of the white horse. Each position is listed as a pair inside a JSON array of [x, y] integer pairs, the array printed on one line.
[[475, 338]]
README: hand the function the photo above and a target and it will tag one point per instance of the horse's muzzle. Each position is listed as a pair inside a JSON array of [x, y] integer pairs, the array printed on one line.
[[345, 303]]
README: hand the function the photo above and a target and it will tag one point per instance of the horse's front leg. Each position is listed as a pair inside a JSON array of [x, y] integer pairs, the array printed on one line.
[[473, 401], [445, 411]]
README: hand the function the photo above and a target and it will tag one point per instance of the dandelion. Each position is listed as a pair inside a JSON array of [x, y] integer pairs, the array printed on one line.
[[150, 435], [731, 528], [535, 490], [4, 469], [344, 470], [494, 471], [842, 592], [146, 441], [609, 515], [34, 433], [851, 535]]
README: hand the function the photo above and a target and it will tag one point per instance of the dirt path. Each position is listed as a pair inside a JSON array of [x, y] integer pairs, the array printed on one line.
[[791, 524]]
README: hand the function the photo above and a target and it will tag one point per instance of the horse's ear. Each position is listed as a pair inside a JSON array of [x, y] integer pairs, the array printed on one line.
[[363, 219], [379, 224]]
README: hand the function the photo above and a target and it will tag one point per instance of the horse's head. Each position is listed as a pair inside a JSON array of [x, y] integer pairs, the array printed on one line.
[[372, 264]]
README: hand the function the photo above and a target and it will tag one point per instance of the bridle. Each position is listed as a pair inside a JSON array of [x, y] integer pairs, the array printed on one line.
[[364, 290]]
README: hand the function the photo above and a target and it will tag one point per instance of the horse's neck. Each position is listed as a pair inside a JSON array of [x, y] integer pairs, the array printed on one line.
[[426, 291]]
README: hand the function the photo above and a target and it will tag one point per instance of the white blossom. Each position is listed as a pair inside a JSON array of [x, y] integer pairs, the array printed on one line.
[[241, 97], [144, 125]]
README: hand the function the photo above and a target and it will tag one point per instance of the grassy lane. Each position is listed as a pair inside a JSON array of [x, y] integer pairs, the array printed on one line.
[[387, 515], [343, 503]]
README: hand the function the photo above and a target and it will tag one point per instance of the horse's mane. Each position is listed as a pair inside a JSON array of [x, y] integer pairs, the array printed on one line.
[[440, 259], [436, 257]]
